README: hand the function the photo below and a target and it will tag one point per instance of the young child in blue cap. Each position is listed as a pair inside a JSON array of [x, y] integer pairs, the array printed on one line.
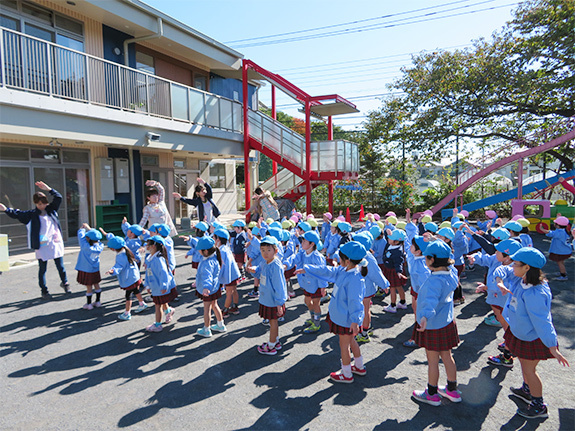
[[273, 292], [531, 336], [254, 256], [346, 310], [208, 285], [393, 260], [238, 239], [133, 241], [200, 229], [560, 247], [164, 231], [436, 330], [88, 264], [229, 273]]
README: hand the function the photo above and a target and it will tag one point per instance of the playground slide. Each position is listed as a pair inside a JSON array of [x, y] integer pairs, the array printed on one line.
[[501, 163], [510, 194]]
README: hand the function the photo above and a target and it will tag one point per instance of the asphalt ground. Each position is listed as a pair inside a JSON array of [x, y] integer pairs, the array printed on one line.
[[65, 368]]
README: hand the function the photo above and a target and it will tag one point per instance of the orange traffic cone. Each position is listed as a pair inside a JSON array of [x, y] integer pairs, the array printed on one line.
[[361, 213], [347, 215]]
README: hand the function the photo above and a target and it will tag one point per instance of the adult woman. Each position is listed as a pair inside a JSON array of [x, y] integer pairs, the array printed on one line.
[[44, 234], [267, 204], [203, 201], [155, 210]]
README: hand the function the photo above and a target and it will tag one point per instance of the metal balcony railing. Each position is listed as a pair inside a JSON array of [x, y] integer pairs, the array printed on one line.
[[31, 64]]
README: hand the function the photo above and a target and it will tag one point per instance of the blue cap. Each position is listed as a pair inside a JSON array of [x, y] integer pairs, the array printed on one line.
[[305, 226], [375, 231], [116, 243], [205, 243], [437, 248], [222, 233], [276, 233], [513, 225], [218, 225], [239, 223], [136, 229], [508, 246], [364, 238], [285, 235], [398, 235], [154, 228], [421, 243], [270, 240], [344, 226], [164, 230], [276, 224], [256, 230], [158, 239], [94, 235], [313, 236], [447, 232], [353, 249], [457, 224], [500, 234], [203, 226], [431, 227], [531, 256]]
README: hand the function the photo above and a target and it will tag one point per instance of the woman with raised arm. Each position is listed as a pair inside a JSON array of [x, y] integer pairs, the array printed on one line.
[[203, 201]]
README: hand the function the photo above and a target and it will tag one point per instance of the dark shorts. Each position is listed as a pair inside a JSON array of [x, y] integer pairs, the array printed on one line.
[[164, 299], [413, 293], [558, 257], [289, 273], [334, 328], [211, 297], [271, 313], [392, 277], [136, 285], [329, 261], [240, 258], [317, 294], [438, 340], [497, 307], [195, 265], [530, 350], [459, 268], [88, 278]]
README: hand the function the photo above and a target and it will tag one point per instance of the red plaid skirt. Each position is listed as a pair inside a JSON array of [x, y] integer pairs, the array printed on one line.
[[211, 297], [271, 313], [334, 328], [392, 277], [164, 299], [497, 307], [530, 350], [438, 340], [195, 265], [232, 284], [289, 273], [413, 293], [459, 268], [317, 294], [329, 261], [136, 285], [240, 258], [88, 278], [558, 257]]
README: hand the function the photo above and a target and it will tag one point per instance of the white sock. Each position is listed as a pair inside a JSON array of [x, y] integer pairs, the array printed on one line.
[[271, 344], [277, 339], [346, 369], [358, 362], [220, 323]]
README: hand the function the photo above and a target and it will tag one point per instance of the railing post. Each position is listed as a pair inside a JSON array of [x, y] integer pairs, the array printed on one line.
[[120, 88], [147, 94], [219, 112], [49, 61], [3, 54], [87, 83]]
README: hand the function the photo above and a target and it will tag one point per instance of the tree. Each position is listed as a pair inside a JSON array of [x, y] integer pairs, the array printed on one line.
[[521, 81]]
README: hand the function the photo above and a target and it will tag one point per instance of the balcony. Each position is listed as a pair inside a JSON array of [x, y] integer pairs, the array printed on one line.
[[34, 65]]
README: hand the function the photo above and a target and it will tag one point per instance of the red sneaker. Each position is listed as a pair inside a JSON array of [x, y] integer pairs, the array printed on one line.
[[358, 371], [338, 377]]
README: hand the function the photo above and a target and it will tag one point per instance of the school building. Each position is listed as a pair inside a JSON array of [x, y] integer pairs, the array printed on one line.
[[96, 97]]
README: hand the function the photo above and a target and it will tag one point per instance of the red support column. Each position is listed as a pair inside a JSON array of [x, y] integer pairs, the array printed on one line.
[[329, 129], [308, 155], [274, 116], [330, 194], [245, 99]]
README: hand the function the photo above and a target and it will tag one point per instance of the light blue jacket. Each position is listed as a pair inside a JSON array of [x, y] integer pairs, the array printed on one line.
[[289, 251], [134, 244], [418, 270], [374, 277], [127, 274], [378, 248], [171, 255], [560, 242], [435, 299], [89, 256], [325, 231], [158, 278], [273, 289], [308, 283], [494, 295], [208, 274], [253, 249], [196, 255], [460, 247], [526, 240], [346, 305], [333, 240], [229, 271]]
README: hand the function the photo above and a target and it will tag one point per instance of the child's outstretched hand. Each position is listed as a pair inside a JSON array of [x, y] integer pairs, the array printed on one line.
[[110, 271], [124, 220], [480, 288], [471, 259], [423, 324], [185, 237], [300, 271], [402, 276], [502, 288], [86, 226], [103, 231], [251, 269], [555, 352]]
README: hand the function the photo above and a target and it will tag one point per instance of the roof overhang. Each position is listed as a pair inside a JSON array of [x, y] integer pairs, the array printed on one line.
[[331, 109]]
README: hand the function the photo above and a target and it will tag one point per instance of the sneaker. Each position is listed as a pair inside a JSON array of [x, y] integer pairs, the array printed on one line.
[[88, 306], [500, 361], [266, 322], [492, 321], [358, 371], [314, 327], [254, 294], [265, 349], [141, 308], [501, 347], [97, 304], [459, 301], [410, 343], [281, 319], [204, 332], [453, 396], [362, 338], [226, 312], [193, 285], [154, 328], [278, 346], [424, 397], [291, 294], [66, 287], [560, 278], [380, 293], [325, 299], [308, 322], [390, 309], [532, 411], [338, 377], [401, 306], [521, 394], [218, 328], [46, 296], [125, 316], [234, 310], [170, 314]]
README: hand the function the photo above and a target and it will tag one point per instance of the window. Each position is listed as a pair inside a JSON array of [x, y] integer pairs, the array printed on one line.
[[216, 173], [180, 163], [145, 62], [200, 82], [150, 160], [47, 155], [76, 156], [13, 153]]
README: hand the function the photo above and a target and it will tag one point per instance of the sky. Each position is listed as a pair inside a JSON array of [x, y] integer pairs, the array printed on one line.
[[357, 65]]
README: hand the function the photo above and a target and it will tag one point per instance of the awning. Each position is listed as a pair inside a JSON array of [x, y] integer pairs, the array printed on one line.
[[330, 109]]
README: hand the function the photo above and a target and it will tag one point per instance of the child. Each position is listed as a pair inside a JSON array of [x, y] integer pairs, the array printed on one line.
[[155, 211], [128, 272], [164, 231], [526, 240], [88, 264], [159, 281], [229, 273], [373, 279], [238, 245], [346, 309], [560, 248], [326, 226], [273, 292], [133, 241], [378, 247], [435, 329], [393, 259], [531, 335], [343, 228], [289, 250], [313, 288], [254, 257], [333, 240], [208, 285], [447, 235], [201, 228]]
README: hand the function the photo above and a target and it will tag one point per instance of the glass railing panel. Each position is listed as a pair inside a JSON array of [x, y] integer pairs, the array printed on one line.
[[212, 111], [238, 125], [226, 120], [159, 97], [180, 103], [197, 107]]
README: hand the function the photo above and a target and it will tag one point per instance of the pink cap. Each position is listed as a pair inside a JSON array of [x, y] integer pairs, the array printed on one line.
[[390, 214], [561, 221], [298, 215], [517, 217], [376, 216], [490, 214], [465, 213], [428, 212], [328, 215], [294, 218], [340, 218]]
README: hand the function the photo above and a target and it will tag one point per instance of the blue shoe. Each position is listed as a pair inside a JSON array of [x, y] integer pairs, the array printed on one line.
[[492, 321], [125, 316]]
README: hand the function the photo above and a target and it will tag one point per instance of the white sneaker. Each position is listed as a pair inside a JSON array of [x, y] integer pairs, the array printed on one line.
[[401, 306], [141, 308], [561, 278], [218, 328], [88, 306], [390, 309], [97, 304]]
